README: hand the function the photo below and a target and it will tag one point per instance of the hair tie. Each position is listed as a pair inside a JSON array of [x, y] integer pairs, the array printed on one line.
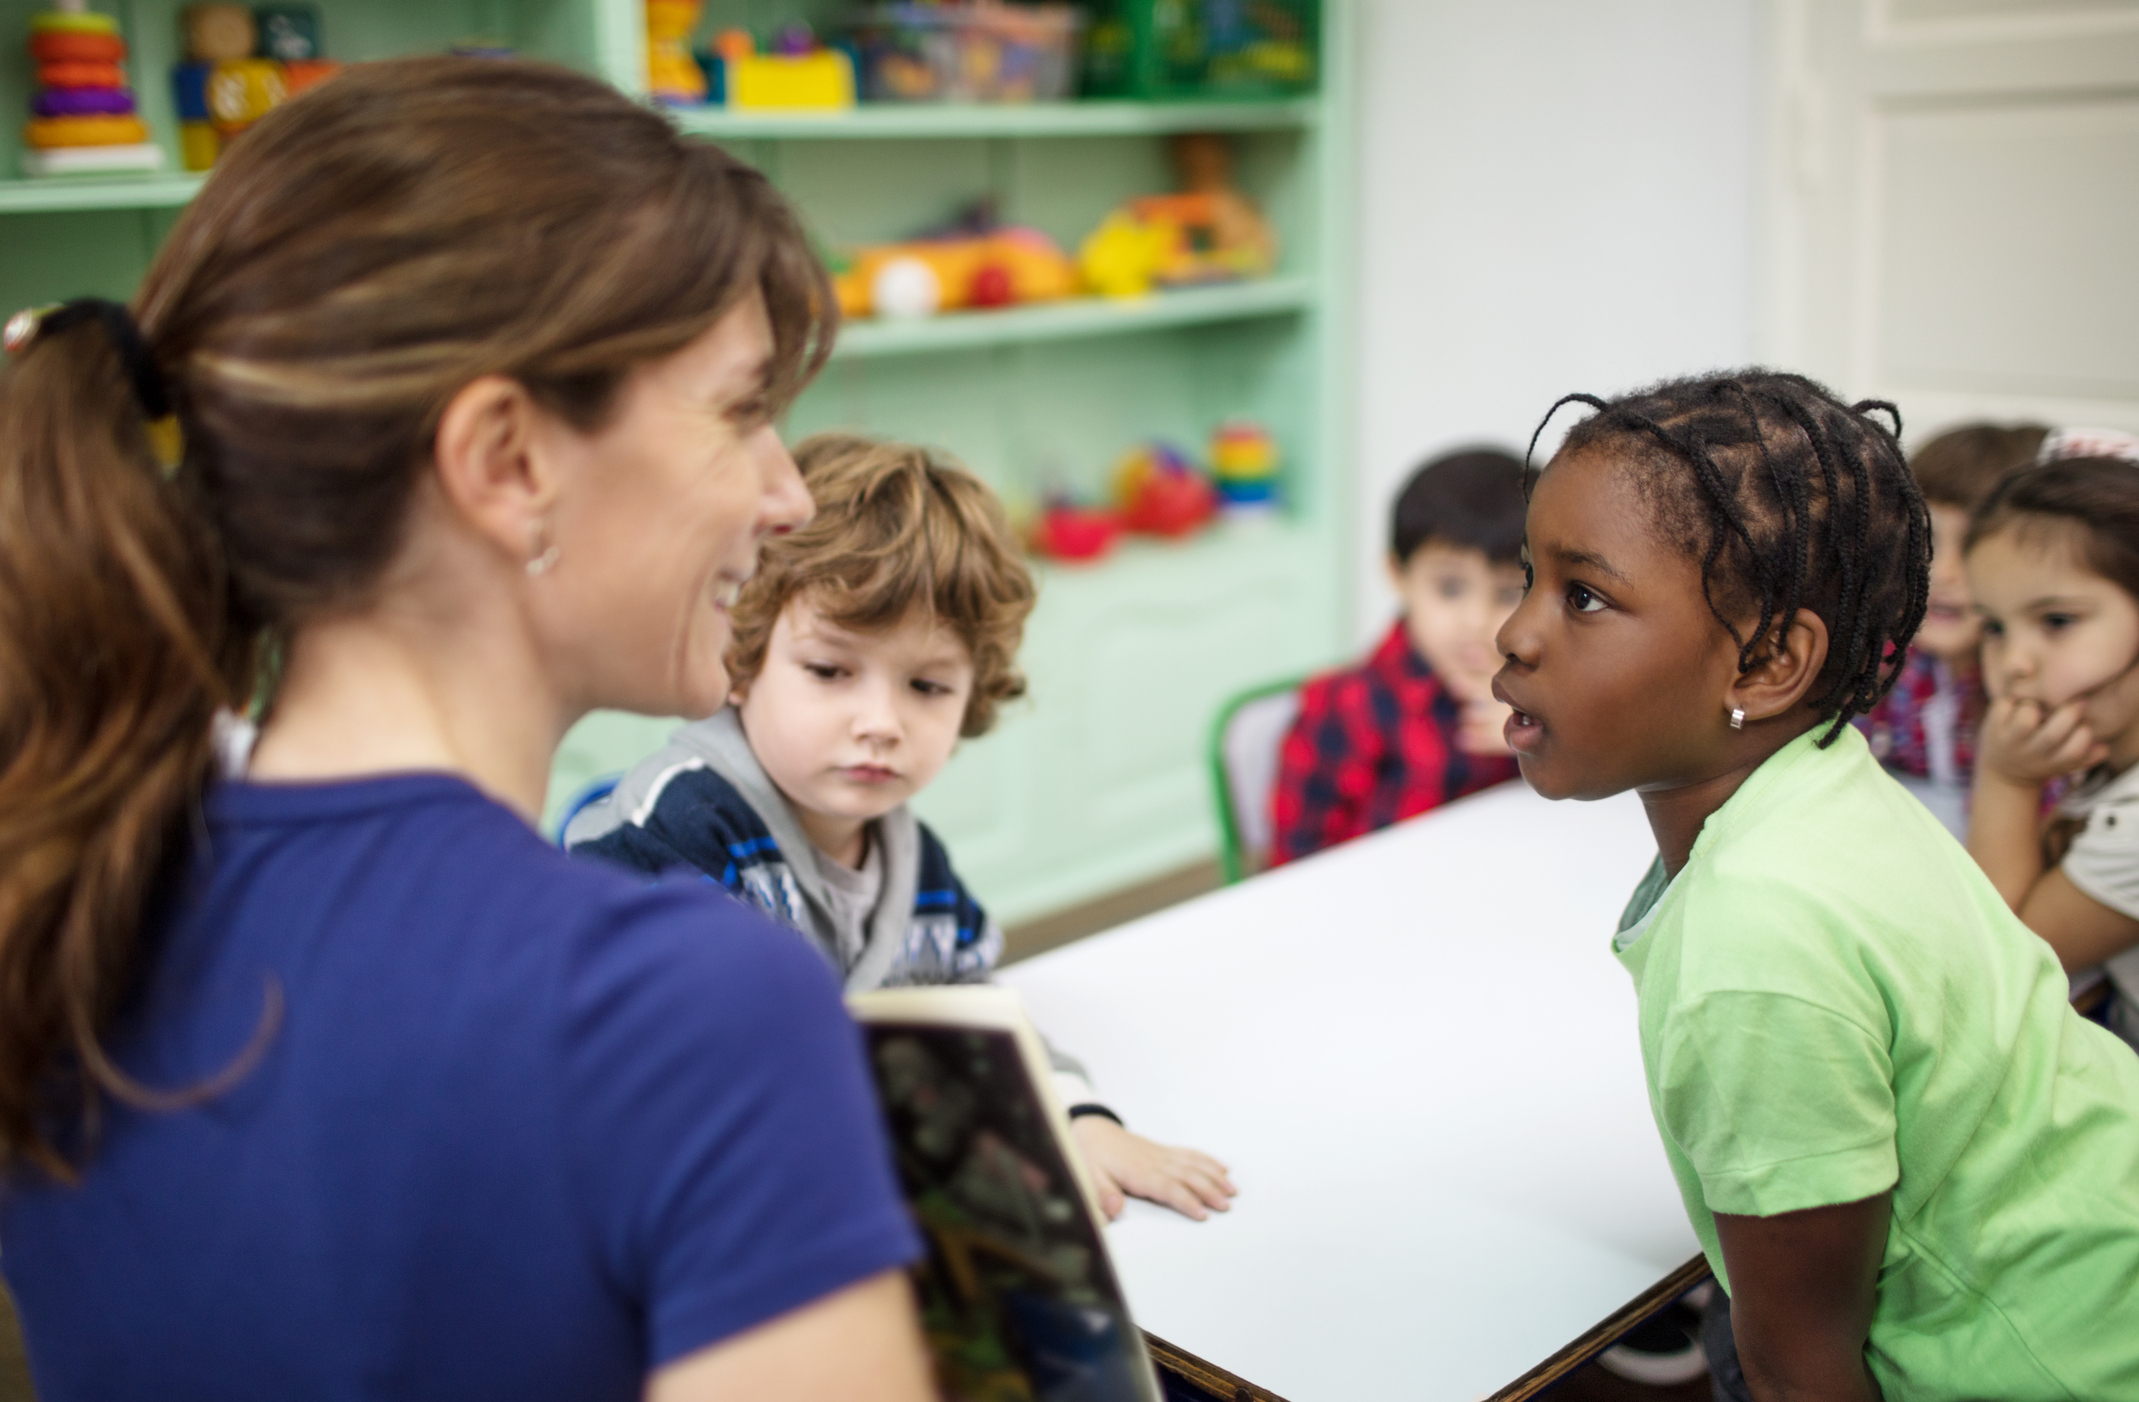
[[120, 329]]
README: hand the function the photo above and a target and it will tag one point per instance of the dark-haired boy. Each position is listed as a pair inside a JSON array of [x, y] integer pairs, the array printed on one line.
[[1414, 725]]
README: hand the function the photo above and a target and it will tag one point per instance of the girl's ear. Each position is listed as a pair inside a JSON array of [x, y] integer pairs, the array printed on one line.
[[1787, 670]]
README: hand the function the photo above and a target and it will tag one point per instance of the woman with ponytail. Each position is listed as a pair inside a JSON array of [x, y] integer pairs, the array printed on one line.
[[443, 417]]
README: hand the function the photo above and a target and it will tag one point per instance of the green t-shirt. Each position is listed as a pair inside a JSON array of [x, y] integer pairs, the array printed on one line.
[[1835, 1002]]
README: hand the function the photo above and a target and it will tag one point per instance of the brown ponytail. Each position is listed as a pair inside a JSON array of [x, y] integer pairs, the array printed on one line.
[[357, 257]]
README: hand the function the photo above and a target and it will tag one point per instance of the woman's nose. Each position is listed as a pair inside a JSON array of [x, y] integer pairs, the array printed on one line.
[[784, 500]]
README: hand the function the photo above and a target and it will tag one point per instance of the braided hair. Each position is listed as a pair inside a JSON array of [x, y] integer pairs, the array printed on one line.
[[1790, 499]]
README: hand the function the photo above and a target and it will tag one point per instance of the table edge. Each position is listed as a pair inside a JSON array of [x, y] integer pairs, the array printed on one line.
[[1606, 1332], [1211, 1378]]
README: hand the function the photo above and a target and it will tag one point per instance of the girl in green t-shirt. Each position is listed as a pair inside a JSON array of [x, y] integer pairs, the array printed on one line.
[[1913, 1167]]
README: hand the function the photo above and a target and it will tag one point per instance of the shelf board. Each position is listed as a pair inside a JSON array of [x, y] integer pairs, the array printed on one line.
[[162, 190], [982, 120], [1079, 317]]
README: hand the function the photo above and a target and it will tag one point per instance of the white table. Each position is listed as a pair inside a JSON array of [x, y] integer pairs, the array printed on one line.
[[1419, 1057]]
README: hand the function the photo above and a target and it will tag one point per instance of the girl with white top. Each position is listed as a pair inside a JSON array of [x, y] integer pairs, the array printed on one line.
[[2053, 563]]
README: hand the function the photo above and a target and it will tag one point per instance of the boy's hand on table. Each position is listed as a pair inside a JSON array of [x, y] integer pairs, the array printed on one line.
[[1191, 1183], [2026, 744]]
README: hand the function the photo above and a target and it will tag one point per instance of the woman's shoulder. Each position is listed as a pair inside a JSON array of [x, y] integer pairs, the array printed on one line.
[[428, 869]]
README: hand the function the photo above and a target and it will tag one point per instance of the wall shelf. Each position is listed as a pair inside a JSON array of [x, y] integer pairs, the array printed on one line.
[[1080, 317], [72, 192], [983, 120]]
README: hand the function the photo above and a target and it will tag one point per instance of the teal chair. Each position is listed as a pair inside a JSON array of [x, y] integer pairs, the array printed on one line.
[[1245, 739]]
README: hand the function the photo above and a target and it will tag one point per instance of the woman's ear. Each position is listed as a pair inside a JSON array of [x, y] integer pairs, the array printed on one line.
[[490, 467], [1785, 671]]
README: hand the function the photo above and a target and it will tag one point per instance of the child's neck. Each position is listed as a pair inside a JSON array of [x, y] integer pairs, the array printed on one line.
[[1677, 813], [844, 840]]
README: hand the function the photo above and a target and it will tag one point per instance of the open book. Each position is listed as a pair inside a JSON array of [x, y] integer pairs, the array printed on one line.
[[1018, 1298]]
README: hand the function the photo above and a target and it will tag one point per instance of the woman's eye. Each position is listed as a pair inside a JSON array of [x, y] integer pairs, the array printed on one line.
[[929, 688], [1582, 601], [751, 412], [824, 671], [1529, 577]]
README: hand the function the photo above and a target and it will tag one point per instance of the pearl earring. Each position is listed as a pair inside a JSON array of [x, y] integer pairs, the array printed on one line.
[[1737, 712]]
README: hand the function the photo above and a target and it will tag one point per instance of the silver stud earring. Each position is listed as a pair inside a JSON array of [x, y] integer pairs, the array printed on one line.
[[544, 560], [1737, 712]]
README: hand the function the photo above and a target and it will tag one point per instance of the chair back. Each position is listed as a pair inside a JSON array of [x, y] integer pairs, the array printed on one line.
[[1245, 741]]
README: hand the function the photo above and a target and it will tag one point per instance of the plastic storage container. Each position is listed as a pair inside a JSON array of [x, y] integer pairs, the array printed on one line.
[[982, 52], [1202, 48]]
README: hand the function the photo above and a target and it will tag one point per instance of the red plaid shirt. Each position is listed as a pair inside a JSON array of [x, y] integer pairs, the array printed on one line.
[[1373, 745]]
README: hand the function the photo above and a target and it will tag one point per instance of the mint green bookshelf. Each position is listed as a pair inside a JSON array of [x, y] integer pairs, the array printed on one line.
[[1095, 781]]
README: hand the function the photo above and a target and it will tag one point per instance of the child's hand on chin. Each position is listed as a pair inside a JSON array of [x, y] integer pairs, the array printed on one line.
[[1191, 1183], [1484, 727], [2025, 743]]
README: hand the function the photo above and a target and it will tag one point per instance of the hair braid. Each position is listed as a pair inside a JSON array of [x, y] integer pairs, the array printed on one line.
[[1791, 500]]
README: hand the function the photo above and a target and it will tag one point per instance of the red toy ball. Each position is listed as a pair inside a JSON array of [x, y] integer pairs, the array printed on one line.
[[1171, 504], [992, 286], [1075, 533]]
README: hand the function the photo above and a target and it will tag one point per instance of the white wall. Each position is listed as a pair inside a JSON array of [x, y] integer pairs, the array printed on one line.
[[1555, 195]]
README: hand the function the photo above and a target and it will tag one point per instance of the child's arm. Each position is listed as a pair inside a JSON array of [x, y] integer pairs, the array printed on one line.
[[1190, 1182], [2023, 748], [1804, 1286]]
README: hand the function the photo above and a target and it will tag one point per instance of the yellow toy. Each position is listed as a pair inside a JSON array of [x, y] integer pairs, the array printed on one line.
[[673, 77], [1210, 232], [1122, 257], [241, 91], [998, 268], [822, 81]]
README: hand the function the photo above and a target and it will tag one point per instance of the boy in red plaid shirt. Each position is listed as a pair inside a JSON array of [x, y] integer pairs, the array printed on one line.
[[1415, 724]]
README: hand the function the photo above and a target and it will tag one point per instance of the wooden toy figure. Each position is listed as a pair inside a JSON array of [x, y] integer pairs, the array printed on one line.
[[82, 117]]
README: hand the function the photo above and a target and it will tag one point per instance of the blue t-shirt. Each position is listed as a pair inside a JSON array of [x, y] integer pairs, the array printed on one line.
[[525, 1128]]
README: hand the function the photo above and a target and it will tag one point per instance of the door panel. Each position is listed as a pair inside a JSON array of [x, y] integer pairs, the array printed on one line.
[[1952, 190]]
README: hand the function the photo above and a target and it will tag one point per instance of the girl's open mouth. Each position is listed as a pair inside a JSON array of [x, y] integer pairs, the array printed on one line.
[[1522, 731]]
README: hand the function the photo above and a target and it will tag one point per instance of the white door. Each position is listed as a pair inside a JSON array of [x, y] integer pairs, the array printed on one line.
[[1952, 215]]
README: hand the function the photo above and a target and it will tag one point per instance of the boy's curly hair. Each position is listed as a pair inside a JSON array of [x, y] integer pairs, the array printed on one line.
[[1789, 499], [898, 528]]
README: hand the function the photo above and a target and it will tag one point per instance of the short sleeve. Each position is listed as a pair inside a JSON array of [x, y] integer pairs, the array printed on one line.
[[2103, 861], [1779, 1104], [722, 1127]]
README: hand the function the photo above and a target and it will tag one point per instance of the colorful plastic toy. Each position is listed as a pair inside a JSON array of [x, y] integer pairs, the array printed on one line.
[[242, 64], [82, 116], [673, 77], [1210, 232], [1157, 491], [1074, 534], [241, 91], [1244, 463], [998, 268]]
